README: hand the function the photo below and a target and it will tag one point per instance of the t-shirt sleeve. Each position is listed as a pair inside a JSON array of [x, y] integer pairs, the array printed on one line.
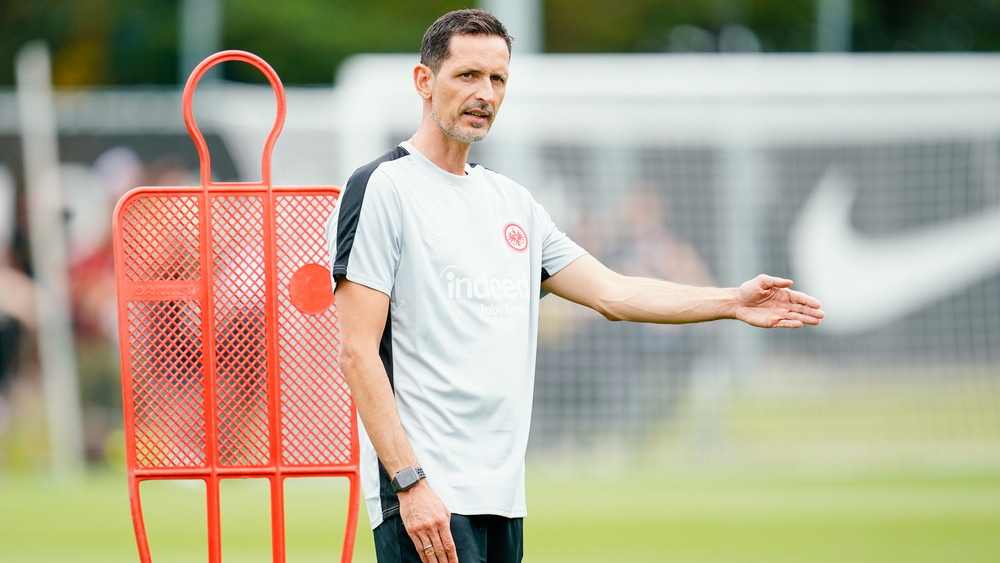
[[558, 250], [363, 233]]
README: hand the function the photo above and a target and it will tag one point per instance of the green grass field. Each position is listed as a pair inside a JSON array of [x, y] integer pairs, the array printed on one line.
[[919, 517]]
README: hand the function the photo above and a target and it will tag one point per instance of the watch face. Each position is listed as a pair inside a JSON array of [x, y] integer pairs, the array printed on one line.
[[406, 478]]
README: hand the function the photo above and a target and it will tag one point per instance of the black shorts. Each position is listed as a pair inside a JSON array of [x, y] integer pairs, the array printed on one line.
[[479, 539]]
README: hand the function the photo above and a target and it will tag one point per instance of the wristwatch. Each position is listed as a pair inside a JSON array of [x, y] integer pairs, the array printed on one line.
[[407, 478]]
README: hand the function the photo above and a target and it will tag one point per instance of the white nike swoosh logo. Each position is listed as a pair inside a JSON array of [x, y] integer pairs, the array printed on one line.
[[865, 282]]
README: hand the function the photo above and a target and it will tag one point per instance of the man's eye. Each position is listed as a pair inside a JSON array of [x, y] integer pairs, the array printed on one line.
[[498, 79]]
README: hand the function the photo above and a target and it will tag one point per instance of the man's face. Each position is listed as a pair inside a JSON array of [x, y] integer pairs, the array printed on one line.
[[469, 86]]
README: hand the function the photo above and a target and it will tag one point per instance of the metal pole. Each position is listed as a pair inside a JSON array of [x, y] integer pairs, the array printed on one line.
[[743, 192], [833, 26], [200, 36], [6, 210], [523, 19], [57, 358]]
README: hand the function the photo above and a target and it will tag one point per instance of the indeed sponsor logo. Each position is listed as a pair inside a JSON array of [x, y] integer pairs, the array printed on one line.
[[484, 287]]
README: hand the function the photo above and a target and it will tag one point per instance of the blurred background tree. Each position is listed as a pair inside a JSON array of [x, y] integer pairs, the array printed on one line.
[[125, 42], [780, 25]]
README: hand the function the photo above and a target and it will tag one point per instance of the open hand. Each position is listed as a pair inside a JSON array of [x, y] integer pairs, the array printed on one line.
[[766, 301]]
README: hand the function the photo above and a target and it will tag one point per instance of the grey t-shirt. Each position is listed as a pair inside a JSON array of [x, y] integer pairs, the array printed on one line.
[[462, 259]]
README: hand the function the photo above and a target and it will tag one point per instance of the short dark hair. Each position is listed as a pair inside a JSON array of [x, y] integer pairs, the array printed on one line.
[[434, 46]]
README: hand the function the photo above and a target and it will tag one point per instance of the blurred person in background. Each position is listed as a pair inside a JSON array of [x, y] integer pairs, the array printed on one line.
[[17, 314], [438, 267], [648, 246], [653, 366], [92, 271], [17, 296], [92, 192]]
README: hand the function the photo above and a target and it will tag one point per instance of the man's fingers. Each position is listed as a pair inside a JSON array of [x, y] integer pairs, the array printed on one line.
[[425, 548], [448, 546], [804, 299], [806, 309], [803, 319], [794, 319], [444, 550], [428, 544], [771, 282], [436, 546], [767, 282]]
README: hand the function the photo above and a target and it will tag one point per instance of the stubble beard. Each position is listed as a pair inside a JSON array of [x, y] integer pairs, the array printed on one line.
[[454, 130]]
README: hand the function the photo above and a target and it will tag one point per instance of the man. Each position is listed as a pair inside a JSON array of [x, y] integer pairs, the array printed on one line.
[[438, 266]]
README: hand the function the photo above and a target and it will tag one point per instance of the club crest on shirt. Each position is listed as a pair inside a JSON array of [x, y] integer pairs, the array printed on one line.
[[515, 236]]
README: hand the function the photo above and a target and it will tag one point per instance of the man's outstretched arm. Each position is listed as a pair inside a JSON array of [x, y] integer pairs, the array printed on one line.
[[361, 312], [764, 301]]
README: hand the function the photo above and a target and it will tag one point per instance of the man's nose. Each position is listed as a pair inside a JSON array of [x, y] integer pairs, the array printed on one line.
[[485, 91]]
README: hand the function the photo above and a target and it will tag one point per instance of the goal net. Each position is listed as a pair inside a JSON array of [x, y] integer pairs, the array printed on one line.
[[873, 181]]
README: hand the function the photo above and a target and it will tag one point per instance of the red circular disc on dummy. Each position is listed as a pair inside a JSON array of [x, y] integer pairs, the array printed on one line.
[[311, 289]]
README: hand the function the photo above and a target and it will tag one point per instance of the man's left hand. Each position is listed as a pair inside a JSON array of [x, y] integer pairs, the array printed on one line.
[[767, 301]]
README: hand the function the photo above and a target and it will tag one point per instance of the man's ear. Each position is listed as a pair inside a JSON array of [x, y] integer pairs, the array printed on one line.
[[423, 81]]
